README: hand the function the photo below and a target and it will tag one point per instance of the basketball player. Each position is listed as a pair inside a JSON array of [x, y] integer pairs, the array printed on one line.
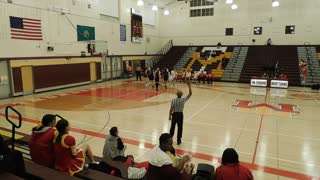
[[157, 78], [176, 112]]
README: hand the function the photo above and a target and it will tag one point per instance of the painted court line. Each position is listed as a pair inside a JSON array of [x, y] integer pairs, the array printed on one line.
[[205, 106], [210, 158]]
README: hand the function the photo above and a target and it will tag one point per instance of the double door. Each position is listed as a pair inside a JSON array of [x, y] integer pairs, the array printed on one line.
[[111, 68]]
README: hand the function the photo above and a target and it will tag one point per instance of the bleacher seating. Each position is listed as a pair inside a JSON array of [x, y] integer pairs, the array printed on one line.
[[35, 171], [170, 59], [260, 57], [215, 62]]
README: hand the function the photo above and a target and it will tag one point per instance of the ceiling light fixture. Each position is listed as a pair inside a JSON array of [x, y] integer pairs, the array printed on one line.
[[155, 8], [140, 3], [275, 3], [229, 1], [166, 12], [234, 6]]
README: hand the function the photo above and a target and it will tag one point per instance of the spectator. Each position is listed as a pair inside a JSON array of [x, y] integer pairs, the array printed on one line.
[[41, 141], [138, 73], [114, 149], [269, 42], [219, 45], [162, 165], [265, 75], [69, 159], [201, 77], [283, 76], [231, 168], [210, 78], [11, 161]]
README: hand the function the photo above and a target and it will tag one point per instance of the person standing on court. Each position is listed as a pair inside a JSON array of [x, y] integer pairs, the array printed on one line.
[[157, 78], [176, 112], [138, 73]]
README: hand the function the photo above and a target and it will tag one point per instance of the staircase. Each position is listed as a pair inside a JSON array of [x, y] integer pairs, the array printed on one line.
[[310, 56], [185, 58], [233, 70]]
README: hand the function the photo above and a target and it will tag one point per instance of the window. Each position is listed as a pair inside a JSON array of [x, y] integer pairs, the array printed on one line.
[[201, 12], [290, 29], [229, 31], [257, 30], [207, 12], [207, 3], [195, 3], [195, 12], [198, 3]]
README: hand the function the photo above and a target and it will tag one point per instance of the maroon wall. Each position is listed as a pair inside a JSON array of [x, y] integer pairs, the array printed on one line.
[[98, 70], [57, 75], [17, 79]]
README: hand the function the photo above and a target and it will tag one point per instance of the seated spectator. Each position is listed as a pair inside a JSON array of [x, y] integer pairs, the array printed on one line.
[[163, 164], [269, 42], [201, 77], [41, 141], [210, 78], [11, 161], [265, 75], [69, 159], [219, 45], [114, 149], [231, 168], [283, 76]]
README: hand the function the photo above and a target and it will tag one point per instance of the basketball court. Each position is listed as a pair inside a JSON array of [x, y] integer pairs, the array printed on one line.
[[275, 131]]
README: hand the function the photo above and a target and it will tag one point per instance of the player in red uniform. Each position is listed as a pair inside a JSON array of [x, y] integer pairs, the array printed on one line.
[[69, 159], [41, 141]]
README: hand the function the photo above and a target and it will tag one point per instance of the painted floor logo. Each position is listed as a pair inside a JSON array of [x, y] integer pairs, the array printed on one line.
[[282, 110]]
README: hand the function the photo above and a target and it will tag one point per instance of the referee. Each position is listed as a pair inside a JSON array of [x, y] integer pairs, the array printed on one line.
[[176, 112]]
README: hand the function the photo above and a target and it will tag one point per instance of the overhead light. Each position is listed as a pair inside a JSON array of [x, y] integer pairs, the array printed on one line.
[[234, 6], [166, 12], [229, 1], [140, 3], [275, 3], [155, 8]]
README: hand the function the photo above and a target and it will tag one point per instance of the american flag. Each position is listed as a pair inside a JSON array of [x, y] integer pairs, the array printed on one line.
[[25, 28]]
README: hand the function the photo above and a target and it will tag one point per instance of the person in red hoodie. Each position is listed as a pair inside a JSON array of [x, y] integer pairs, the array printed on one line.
[[41, 141], [210, 78], [231, 168]]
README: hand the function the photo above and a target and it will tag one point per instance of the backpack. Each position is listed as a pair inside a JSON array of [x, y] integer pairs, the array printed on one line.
[[204, 172], [105, 168]]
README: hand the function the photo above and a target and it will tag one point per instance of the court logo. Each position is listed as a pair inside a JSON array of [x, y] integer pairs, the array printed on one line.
[[283, 110]]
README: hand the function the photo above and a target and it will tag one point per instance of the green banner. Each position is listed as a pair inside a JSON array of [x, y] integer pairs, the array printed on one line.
[[86, 33]]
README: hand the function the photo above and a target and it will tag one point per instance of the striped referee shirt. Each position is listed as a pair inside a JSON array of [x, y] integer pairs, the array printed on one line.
[[178, 104]]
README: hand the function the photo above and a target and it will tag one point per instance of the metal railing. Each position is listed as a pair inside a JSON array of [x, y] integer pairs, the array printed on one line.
[[14, 125], [164, 50]]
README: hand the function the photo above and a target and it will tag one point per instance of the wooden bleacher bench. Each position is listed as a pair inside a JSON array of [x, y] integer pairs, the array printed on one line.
[[9, 176], [93, 175], [90, 174], [36, 171]]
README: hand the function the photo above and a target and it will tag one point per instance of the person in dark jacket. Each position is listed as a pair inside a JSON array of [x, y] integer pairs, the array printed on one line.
[[11, 161]]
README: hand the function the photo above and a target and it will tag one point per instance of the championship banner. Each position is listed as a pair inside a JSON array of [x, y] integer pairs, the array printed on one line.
[[85, 33], [136, 27], [123, 32]]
